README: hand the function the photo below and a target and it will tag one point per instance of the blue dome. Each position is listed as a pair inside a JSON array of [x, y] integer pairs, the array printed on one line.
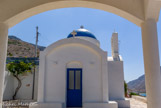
[[82, 33]]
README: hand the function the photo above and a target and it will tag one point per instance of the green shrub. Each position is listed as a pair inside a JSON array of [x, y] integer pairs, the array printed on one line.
[[132, 93], [18, 68]]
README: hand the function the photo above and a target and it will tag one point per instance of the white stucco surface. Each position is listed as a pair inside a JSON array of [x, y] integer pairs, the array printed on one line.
[[56, 64], [115, 46], [133, 10], [116, 83], [3, 53], [151, 63], [8, 86], [94, 41], [25, 91], [116, 80]]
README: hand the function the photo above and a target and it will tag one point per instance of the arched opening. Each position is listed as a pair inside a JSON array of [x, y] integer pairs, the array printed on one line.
[[92, 61], [134, 15], [127, 39], [6, 21]]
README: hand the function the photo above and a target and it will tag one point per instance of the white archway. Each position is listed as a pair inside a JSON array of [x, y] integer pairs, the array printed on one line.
[[23, 11], [143, 13]]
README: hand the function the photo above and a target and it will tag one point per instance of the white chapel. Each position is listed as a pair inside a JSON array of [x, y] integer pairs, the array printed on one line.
[[76, 72]]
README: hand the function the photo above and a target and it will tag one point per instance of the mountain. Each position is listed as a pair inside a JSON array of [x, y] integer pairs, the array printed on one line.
[[137, 85], [14, 37], [20, 48]]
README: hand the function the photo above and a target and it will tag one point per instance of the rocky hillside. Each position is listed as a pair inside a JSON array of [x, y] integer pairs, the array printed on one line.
[[20, 48], [137, 85]]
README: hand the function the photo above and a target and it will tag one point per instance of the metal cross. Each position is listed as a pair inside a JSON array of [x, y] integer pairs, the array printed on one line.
[[74, 33]]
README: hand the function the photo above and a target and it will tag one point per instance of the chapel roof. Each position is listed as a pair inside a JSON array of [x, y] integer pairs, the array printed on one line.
[[81, 33]]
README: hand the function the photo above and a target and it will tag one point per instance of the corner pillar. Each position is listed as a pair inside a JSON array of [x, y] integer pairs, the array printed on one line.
[[3, 53], [151, 63]]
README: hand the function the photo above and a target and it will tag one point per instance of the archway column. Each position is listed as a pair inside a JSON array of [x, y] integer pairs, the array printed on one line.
[[151, 63], [3, 53]]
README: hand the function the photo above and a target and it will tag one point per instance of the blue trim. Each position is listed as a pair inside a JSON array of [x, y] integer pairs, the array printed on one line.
[[34, 60], [83, 34]]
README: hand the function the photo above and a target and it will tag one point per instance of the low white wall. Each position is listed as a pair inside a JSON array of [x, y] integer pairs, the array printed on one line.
[[25, 92], [8, 86]]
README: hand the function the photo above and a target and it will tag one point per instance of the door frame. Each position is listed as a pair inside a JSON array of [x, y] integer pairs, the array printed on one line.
[[81, 86]]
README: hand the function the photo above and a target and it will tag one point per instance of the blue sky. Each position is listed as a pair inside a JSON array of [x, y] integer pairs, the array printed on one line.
[[57, 24]]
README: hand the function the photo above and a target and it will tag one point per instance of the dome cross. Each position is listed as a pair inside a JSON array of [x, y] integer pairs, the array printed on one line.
[[74, 33]]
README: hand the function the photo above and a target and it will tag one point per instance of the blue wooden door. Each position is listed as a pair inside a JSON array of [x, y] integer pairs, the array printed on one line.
[[74, 87]]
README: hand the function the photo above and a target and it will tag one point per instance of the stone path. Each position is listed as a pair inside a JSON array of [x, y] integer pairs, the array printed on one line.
[[137, 104]]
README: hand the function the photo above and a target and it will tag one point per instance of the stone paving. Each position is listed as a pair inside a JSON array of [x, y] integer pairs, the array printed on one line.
[[133, 103], [137, 104]]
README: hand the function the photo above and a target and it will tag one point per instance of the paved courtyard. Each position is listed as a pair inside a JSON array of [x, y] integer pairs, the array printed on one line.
[[133, 102], [137, 104]]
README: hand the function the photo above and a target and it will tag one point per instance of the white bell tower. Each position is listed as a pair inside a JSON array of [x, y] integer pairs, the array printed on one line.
[[115, 46]]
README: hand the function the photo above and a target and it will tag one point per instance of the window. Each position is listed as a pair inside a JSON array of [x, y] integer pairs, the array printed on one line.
[[77, 79], [74, 78], [71, 79]]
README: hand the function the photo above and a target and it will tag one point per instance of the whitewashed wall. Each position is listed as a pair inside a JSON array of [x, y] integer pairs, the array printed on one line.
[[116, 83], [25, 92], [116, 80], [55, 83], [53, 64], [8, 86]]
